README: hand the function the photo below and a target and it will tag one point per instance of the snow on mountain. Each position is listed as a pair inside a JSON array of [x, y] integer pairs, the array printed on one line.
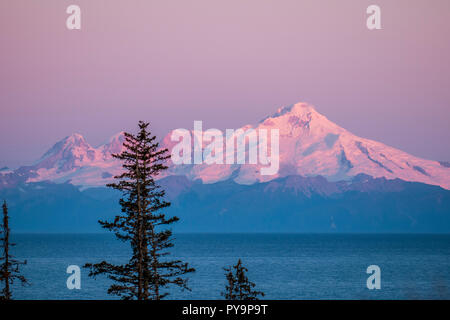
[[74, 160], [312, 145], [309, 145], [67, 154], [113, 146]]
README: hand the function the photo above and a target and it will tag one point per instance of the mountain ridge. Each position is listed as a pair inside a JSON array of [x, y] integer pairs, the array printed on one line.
[[310, 145]]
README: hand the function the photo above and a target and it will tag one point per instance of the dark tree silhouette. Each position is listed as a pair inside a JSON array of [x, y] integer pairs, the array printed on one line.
[[142, 224], [238, 286], [9, 267]]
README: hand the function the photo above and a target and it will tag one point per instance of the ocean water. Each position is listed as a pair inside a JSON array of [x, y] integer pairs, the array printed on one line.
[[284, 266]]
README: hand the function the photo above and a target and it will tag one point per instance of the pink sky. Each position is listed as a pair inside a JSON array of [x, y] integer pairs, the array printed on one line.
[[227, 63]]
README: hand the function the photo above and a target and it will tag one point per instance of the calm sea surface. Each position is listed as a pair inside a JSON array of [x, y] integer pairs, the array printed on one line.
[[284, 266]]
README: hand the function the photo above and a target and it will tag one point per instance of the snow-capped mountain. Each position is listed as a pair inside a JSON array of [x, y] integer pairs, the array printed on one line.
[[309, 145], [74, 160], [312, 145]]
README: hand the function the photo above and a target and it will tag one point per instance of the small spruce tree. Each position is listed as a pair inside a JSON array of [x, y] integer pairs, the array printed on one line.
[[238, 286], [9, 267], [142, 224]]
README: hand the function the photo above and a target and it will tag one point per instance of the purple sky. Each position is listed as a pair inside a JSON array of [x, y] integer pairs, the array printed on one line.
[[226, 62]]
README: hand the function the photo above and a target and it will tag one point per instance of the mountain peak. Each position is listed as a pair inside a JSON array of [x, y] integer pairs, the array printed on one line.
[[301, 110], [76, 135], [118, 136], [298, 109], [74, 138], [114, 145], [67, 153], [300, 119]]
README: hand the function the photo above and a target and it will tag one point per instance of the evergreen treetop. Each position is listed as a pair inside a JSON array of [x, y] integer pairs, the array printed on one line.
[[238, 286], [9, 267], [142, 224]]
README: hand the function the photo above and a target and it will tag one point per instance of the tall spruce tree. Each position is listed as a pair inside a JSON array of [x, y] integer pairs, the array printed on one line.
[[238, 286], [142, 224], [9, 267]]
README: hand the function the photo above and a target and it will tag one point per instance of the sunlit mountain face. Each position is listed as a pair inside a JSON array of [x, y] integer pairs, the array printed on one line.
[[309, 145]]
